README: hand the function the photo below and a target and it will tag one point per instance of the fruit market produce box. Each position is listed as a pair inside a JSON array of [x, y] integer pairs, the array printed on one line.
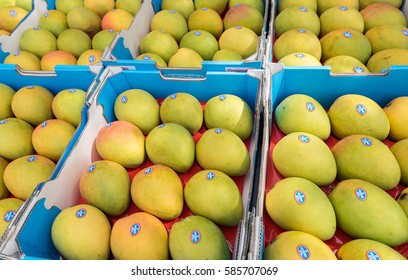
[[124, 49], [372, 37], [325, 88], [64, 78], [31, 238]]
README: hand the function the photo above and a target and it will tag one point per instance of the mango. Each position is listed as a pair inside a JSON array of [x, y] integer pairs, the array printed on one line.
[[182, 108], [381, 61], [231, 112], [54, 21], [365, 3], [23, 174], [103, 39], [295, 203], [323, 5], [74, 41], [298, 245], [240, 39], [366, 158], [283, 4], [4, 192], [357, 114], [138, 107], [208, 20], [67, 105], [51, 137], [38, 41], [398, 117], [340, 17], [122, 142], [375, 214], [171, 144], [301, 112], [59, 57], [295, 156], [158, 190], [244, 15], [258, 4], [299, 59], [105, 184], [33, 104], [402, 200], [217, 5], [170, 21], [101, 7], [139, 236], [7, 94], [297, 40], [297, 17], [8, 210], [81, 232], [15, 138], [197, 238], [400, 151], [90, 57], [117, 19], [345, 41], [132, 6], [185, 7], [366, 249], [346, 64], [227, 55], [25, 60], [159, 62], [6, 3], [159, 42], [214, 195], [387, 36], [10, 17], [378, 14], [84, 19], [66, 5], [223, 150], [202, 42], [185, 58]]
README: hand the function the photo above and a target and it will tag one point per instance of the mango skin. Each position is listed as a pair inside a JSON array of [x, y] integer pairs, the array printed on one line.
[[400, 151], [297, 17], [398, 117], [298, 245], [214, 195], [302, 113], [364, 210], [366, 158], [81, 232], [298, 204], [139, 236], [381, 61], [378, 14], [197, 238], [7, 94], [4, 192], [403, 200], [8, 209], [366, 249], [357, 114], [295, 156], [15, 138]]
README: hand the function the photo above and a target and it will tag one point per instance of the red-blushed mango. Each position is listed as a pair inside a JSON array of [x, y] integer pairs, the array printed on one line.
[[323, 5], [67, 105], [159, 42], [10, 17], [38, 41], [244, 15], [59, 57], [33, 104], [185, 7], [185, 58], [15, 138], [90, 57], [24, 60], [105, 184], [240, 39], [54, 21], [122, 142], [23, 174], [217, 5], [382, 13], [206, 19], [158, 190], [139, 236], [117, 19], [4, 192], [7, 94], [8, 210], [82, 232], [101, 7], [170, 21], [51, 137], [132, 6], [398, 117], [297, 17]]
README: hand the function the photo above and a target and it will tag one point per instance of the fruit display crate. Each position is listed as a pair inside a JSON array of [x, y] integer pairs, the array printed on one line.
[[325, 88], [30, 237], [309, 57], [63, 78], [124, 48]]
